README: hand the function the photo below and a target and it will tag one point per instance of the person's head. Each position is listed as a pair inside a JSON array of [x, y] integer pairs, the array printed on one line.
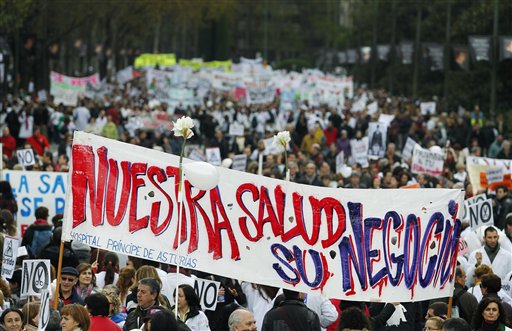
[[491, 237], [490, 284], [292, 295], [110, 264], [489, 310], [74, 316], [31, 313], [460, 276], [148, 272], [147, 292], [42, 213], [7, 222], [439, 309], [187, 297], [242, 320], [501, 192], [353, 318], [310, 169], [126, 279], [68, 279], [508, 226], [112, 294], [163, 320], [85, 275], [456, 324], [12, 319], [480, 271], [97, 304], [434, 323]]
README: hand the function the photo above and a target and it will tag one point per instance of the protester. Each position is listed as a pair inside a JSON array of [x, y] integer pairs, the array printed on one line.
[[189, 309], [7, 200], [291, 313], [108, 270], [456, 324], [116, 314], [147, 293], [38, 234], [12, 319], [86, 280], [434, 323], [67, 292], [489, 315], [31, 315], [98, 306], [74, 317], [242, 320]]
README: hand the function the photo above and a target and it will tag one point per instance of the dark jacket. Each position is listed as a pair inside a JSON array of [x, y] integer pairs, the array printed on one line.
[[135, 318], [291, 315], [51, 252], [503, 208], [413, 315]]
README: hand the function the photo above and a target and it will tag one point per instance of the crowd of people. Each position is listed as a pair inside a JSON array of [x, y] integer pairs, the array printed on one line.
[[95, 292]]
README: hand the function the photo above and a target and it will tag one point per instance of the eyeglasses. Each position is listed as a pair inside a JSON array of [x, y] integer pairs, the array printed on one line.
[[67, 279]]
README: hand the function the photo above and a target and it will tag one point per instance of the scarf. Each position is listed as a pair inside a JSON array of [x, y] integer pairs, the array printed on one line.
[[492, 252]]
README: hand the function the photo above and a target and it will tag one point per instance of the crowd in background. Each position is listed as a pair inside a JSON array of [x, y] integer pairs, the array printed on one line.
[[141, 294]]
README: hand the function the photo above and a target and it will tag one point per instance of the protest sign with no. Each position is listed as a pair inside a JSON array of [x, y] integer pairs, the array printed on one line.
[[481, 214], [35, 277], [207, 291], [26, 157]]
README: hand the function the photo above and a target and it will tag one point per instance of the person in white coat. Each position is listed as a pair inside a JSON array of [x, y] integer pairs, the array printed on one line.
[[491, 254], [323, 307]]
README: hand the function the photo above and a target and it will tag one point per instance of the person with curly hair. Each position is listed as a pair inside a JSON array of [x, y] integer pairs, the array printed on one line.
[[490, 316], [115, 310], [126, 282], [353, 318]]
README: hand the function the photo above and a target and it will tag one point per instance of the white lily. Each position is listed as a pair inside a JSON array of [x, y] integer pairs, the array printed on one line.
[[183, 127], [281, 139]]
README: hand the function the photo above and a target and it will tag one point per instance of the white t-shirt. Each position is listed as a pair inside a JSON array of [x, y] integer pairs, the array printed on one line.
[[100, 279]]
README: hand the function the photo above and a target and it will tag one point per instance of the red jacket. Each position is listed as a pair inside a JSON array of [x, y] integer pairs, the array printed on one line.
[[39, 143], [9, 145], [102, 323]]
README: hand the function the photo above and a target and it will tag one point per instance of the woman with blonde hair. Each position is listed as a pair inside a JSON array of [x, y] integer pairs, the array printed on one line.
[[126, 282], [115, 310], [74, 317], [480, 271]]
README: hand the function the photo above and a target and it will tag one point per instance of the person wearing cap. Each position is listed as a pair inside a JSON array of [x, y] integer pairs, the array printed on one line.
[[98, 306], [67, 291], [147, 294]]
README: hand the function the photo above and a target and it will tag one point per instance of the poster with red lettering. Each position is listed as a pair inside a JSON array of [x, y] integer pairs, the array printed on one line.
[[388, 245]]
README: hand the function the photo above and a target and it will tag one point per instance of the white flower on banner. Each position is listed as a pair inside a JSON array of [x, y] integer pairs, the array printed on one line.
[[183, 127], [281, 139]]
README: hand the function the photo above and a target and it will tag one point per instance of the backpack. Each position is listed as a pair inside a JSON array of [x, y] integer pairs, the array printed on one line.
[[40, 240], [456, 311]]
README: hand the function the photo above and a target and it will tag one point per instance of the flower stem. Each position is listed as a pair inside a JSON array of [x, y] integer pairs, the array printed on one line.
[[286, 164]]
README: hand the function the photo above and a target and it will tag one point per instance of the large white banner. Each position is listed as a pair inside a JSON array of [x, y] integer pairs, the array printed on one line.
[[34, 189], [352, 244]]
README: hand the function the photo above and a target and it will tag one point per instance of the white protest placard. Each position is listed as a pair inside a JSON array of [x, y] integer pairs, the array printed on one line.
[[340, 162], [469, 202], [359, 148], [494, 175], [372, 108], [22, 251], [428, 107], [213, 156], [480, 214], [35, 277], [44, 312], [208, 292], [239, 162], [67, 89], [236, 129], [26, 157], [33, 189], [386, 119], [427, 162], [9, 257], [477, 167], [408, 148], [377, 135], [263, 230]]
